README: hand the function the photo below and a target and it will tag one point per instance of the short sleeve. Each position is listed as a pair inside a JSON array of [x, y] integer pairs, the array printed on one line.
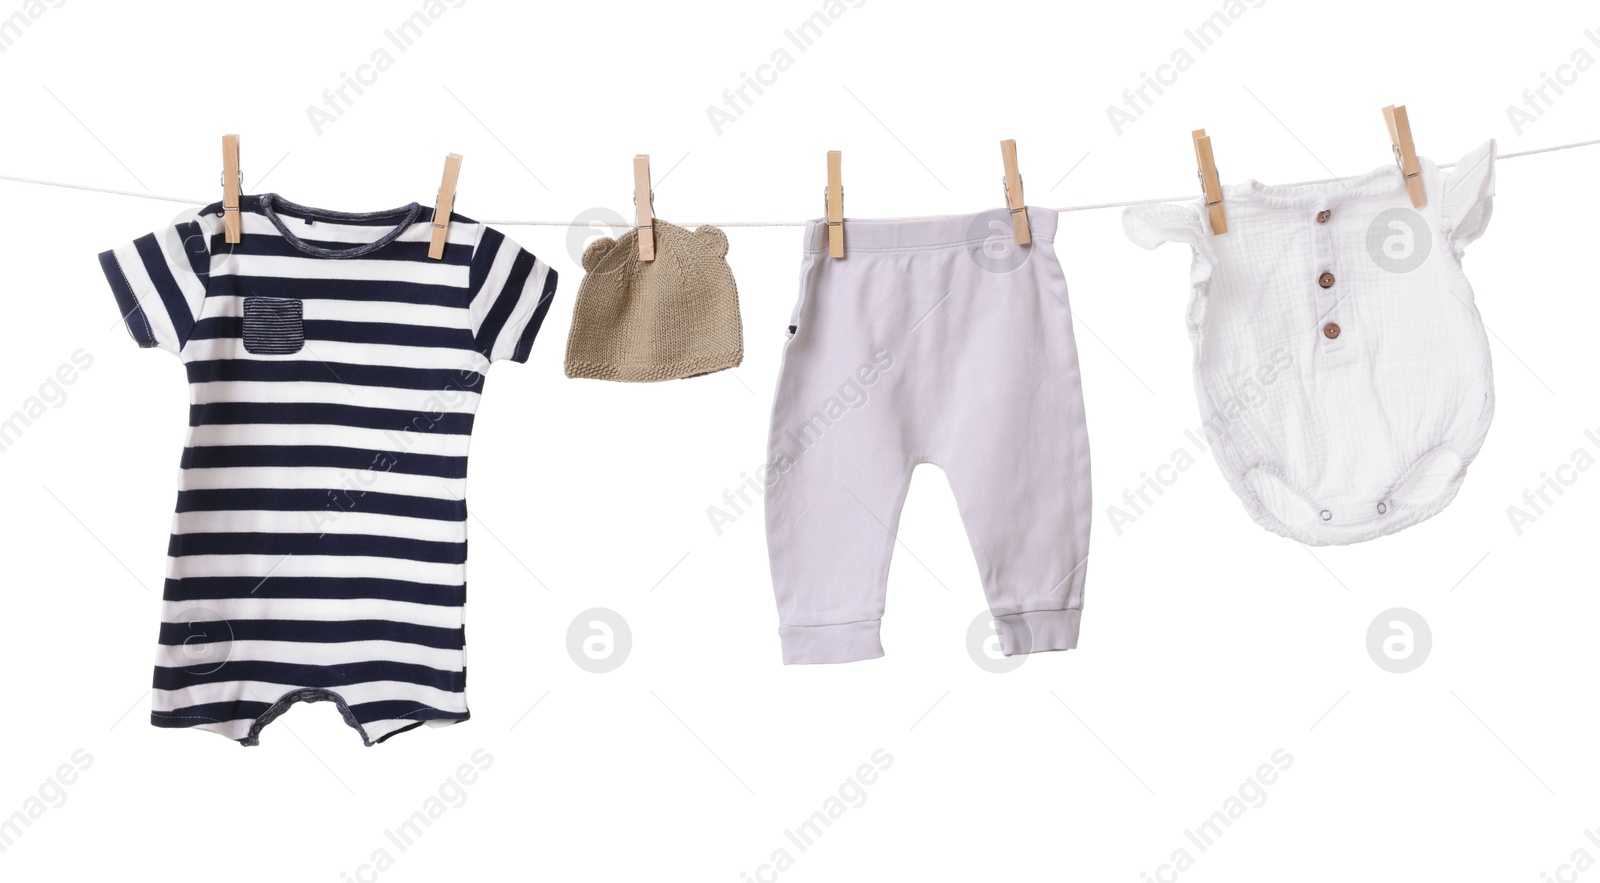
[[510, 292], [1152, 224], [159, 280], [1468, 199]]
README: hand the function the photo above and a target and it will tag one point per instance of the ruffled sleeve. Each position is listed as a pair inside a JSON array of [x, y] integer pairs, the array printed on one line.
[[1468, 199], [1152, 224]]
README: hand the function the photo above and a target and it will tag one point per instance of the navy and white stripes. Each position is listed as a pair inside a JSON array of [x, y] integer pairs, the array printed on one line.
[[319, 545], [273, 326]]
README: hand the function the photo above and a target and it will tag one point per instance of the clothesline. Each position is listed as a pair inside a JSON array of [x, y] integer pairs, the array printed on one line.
[[515, 223]]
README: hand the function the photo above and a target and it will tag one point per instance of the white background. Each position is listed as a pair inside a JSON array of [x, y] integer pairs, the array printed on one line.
[[1207, 643]]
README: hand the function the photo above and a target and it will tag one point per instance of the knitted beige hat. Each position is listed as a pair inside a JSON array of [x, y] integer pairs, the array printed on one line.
[[675, 316]]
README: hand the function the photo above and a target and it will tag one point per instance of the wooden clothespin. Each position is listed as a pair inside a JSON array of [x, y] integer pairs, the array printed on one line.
[[1014, 202], [1210, 182], [1405, 153], [835, 207], [232, 225], [444, 206], [644, 207]]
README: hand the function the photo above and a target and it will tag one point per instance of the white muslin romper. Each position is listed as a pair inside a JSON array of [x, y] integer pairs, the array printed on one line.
[[1340, 363]]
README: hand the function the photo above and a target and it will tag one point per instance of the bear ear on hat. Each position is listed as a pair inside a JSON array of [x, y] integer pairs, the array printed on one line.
[[714, 238], [596, 252]]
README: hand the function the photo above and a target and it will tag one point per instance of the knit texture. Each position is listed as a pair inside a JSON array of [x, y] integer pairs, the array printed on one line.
[[641, 321]]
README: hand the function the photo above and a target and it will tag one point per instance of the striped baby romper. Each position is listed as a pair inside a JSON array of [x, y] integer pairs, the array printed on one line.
[[319, 550]]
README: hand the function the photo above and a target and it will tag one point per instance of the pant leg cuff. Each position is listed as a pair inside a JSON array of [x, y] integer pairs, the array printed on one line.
[[839, 642], [1038, 630]]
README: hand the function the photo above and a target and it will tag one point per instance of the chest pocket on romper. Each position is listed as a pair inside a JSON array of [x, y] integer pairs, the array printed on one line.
[[273, 326]]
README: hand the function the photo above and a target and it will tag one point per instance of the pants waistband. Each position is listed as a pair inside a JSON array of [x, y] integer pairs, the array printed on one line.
[[870, 234]]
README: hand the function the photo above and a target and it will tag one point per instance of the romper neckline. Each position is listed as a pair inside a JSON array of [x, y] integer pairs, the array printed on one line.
[[1316, 194], [272, 203]]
